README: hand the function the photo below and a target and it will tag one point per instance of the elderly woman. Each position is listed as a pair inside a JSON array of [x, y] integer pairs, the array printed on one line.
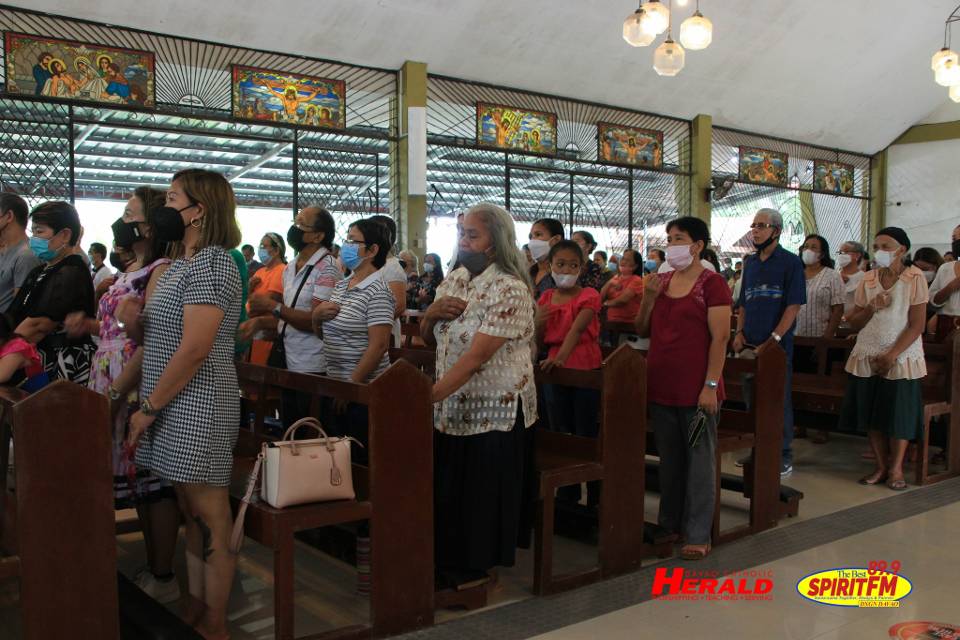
[[53, 290], [482, 324], [850, 259], [411, 267], [686, 315], [189, 412]]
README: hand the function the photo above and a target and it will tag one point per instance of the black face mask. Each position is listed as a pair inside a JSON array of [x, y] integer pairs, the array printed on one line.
[[117, 261], [955, 249], [474, 261], [125, 234], [169, 224], [295, 238], [760, 246]]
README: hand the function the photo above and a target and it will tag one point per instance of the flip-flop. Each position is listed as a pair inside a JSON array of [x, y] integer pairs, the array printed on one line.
[[867, 481], [897, 485], [690, 553]]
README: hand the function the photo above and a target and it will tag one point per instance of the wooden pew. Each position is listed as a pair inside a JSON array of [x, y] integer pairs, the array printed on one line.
[[59, 532], [615, 458], [395, 493]]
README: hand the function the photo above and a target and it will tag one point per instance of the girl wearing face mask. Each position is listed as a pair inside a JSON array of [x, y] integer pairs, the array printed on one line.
[[430, 279], [55, 289], [883, 394], [544, 233], [945, 293], [686, 315], [621, 296], [266, 284], [568, 329]]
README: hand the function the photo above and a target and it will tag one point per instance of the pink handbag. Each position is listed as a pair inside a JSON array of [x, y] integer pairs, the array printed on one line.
[[298, 472]]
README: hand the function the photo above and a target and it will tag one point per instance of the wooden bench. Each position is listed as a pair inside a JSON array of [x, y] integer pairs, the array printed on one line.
[[395, 494], [823, 392]]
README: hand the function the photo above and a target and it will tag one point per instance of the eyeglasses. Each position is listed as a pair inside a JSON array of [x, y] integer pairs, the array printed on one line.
[[357, 243], [761, 225]]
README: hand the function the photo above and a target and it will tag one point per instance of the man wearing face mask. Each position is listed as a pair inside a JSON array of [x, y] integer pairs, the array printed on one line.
[[772, 292], [945, 292], [16, 259]]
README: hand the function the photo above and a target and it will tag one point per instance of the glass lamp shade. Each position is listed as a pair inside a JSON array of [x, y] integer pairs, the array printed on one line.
[[668, 58], [948, 74], [656, 18], [955, 93], [696, 32], [632, 32], [940, 57]]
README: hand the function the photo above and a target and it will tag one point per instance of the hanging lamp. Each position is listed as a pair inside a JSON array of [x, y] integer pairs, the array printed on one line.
[[656, 18], [633, 33], [696, 32]]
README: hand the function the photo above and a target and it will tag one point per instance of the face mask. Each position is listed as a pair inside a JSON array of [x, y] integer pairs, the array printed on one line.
[[955, 248], [760, 246], [564, 280], [295, 238], [428, 267], [350, 256], [117, 261], [474, 261], [264, 255], [884, 258], [843, 260], [538, 249], [679, 256], [169, 224], [125, 234], [41, 249], [650, 265], [929, 275], [810, 257]]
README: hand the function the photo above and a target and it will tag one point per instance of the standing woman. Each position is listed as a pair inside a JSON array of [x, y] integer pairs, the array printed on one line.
[[544, 233], [189, 407], [592, 275], [116, 373], [53, 290], [886, 364], [429, 280], [485, 398], [686, 315], [945, 292], [268, 282], [849, 260]]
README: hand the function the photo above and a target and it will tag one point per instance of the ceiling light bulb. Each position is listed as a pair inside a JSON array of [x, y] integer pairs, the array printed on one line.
[[940, 57], [656, 18], [696, 32], [682, 3], [668, 58], [632, 31], [948, 73]]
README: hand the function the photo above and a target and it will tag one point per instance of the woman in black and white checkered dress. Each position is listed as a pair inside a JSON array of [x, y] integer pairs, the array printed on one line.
[[190, 410]]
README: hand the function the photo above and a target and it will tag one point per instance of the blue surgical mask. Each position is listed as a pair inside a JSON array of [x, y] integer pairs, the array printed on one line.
[[41, 249], [264, 255], [650, 265], [350, 256]]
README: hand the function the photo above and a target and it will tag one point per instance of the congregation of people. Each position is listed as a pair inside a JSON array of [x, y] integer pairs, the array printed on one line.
[[157, 322]]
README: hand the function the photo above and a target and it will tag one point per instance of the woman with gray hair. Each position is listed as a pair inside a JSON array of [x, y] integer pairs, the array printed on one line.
[[482, 324], [849, 257]]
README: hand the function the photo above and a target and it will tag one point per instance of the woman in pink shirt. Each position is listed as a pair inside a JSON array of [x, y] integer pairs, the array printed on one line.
[[623, 293], [686, 314]]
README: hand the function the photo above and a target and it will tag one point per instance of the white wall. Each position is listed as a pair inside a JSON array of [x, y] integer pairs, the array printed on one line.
[[923, 191]]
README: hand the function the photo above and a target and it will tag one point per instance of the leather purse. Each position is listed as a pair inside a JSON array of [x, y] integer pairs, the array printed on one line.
[[298, 472]]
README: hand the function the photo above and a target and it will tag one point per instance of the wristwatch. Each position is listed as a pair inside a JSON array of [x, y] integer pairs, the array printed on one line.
[[147, 409], [276, 311], [776, 336], [711, 384]]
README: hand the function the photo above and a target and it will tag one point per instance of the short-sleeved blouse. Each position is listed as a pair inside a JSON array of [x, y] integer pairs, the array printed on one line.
[[498, 305], [824, 290], [887, 324], [586, 354], [618, 286]]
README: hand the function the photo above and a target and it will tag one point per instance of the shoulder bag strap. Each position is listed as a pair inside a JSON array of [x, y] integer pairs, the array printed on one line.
[[296, 296], [236, 536]]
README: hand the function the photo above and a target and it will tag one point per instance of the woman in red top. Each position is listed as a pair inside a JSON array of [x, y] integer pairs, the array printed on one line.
[[686, 314], [622, 294], [568, 329]]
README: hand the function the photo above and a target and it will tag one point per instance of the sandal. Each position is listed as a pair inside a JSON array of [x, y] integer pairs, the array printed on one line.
[[873, 478], [897, 485], [695, 551]]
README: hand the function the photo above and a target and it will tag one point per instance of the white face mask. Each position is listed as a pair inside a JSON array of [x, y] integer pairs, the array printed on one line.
[[564, 280], [883, 258], [679, 256], [929, 275], [843, 260], [810, 257], [428, 267], [538, 249]]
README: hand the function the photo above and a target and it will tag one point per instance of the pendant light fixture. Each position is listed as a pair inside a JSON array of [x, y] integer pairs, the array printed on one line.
[[945, 63], [696, 32], [955, 93], [632, 31], [656, 18], [669, 57]]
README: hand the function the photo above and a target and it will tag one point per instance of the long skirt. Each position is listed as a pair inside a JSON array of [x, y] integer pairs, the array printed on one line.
[[893, 407], [478, 482]]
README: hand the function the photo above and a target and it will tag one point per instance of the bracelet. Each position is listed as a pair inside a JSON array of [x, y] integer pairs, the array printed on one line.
[[147, 409], [113, 394]]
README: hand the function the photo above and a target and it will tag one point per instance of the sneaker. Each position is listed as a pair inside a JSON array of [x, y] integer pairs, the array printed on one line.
[[742, 461], [786, 468], [162, 591]]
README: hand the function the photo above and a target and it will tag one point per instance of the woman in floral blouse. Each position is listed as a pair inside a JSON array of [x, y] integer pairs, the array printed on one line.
[[485, 397]]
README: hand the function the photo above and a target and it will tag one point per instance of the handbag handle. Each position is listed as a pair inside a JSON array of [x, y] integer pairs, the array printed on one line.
[[288, 436]]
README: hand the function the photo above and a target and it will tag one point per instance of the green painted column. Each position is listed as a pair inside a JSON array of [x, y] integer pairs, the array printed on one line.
[[877, 218], [807, 214], [701, 166], [408, 171]]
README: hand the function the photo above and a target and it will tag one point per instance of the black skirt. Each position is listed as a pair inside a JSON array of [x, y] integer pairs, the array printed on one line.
[[477, 498]]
